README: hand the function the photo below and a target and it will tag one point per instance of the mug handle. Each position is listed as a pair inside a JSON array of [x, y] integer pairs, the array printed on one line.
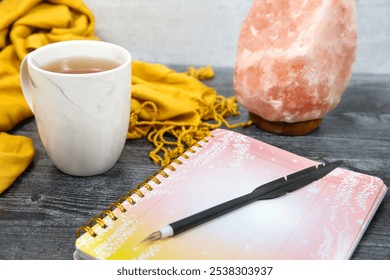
[[25, 82]]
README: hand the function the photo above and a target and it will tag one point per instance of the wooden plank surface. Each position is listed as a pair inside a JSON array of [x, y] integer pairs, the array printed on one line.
[[41, 211]]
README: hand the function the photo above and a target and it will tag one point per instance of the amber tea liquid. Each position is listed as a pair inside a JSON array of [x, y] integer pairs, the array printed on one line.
[[80, 65]]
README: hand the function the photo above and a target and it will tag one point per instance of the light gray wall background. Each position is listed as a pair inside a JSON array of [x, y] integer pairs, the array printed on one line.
[[202, 32]]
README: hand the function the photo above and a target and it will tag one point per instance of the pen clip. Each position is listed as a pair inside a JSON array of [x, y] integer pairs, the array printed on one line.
[[295, 180]]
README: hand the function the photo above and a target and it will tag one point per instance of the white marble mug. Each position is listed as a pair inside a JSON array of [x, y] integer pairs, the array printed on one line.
[[82, 119]]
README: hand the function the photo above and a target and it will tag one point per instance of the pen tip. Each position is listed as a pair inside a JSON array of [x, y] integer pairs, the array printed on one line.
[[153, 237]]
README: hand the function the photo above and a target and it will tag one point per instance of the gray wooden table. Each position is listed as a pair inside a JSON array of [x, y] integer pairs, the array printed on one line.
[[41, 211]]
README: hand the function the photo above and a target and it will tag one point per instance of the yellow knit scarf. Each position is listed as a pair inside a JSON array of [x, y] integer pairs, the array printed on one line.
[[173, 110]]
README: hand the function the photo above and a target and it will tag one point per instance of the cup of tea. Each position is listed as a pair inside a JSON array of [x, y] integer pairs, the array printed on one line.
[[79, 93]]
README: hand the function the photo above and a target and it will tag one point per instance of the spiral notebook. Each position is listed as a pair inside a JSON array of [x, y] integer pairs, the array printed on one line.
[[324, 220]]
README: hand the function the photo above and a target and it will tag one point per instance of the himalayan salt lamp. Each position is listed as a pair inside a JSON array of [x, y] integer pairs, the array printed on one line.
[[294, 61]]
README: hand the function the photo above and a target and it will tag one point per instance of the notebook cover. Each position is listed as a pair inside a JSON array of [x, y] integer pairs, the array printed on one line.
[[324, 220]]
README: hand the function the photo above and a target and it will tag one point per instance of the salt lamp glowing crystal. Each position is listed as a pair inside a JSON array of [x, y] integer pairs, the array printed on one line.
[[294, 58]]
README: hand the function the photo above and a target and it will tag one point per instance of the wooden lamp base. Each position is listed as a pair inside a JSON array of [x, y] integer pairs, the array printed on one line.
[[284, 128]]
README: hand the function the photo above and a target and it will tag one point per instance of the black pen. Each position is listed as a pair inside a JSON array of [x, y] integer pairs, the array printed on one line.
[[269, 190]]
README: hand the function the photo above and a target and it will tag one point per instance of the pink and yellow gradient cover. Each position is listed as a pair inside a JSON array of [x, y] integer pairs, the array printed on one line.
[[324, 220]]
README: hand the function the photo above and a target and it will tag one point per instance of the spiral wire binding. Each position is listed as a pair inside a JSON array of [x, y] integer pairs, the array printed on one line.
[[99, 219]]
